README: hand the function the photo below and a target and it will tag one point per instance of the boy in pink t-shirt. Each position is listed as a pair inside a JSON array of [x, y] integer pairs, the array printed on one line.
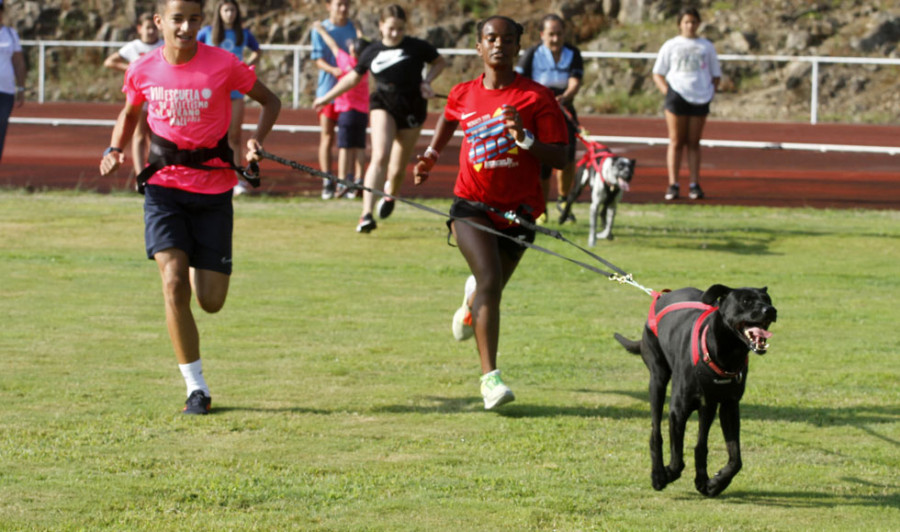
[[188, 214], [353, 110]]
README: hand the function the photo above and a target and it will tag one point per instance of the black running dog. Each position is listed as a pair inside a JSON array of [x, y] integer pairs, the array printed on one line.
[[701, 341]]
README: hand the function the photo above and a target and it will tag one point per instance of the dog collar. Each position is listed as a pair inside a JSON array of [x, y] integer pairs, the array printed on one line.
[[698, 344]]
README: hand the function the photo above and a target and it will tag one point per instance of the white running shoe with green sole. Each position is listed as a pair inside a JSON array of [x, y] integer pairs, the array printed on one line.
[[493, 390]]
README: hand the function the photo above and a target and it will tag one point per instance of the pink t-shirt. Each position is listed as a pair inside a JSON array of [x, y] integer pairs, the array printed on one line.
[[356, 98], [190, 105]]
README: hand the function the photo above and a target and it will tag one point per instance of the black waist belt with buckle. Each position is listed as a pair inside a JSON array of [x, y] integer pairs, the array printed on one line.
[[164, 152]]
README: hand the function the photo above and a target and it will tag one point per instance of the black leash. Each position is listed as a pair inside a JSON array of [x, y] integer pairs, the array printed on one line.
[[617, 274]]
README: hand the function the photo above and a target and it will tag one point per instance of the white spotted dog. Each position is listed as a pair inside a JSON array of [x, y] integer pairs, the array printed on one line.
[[609, 176]]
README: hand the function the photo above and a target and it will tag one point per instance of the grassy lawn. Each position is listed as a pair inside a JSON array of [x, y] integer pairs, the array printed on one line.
[[342, 402]]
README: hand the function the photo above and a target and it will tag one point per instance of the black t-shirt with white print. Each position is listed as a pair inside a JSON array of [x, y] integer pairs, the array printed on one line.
[[397, 68]]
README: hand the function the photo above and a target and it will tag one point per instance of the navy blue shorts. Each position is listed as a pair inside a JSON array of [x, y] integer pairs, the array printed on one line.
[[678, 106], [201, 225], [352, 129]]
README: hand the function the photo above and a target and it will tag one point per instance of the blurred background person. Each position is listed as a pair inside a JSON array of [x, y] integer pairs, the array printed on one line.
[[12, 75], [148, 40], [228, 32], [341, 30], [352, 108], [397, 108], [558, 65], [687, 72]]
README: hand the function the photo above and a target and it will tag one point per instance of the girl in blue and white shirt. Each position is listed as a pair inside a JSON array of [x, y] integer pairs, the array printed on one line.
[[228, 33]]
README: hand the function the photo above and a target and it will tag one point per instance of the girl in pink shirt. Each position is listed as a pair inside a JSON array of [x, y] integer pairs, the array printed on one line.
[[353, 111]]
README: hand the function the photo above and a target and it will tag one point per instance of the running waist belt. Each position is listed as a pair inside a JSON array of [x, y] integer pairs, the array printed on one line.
[[164, 152]]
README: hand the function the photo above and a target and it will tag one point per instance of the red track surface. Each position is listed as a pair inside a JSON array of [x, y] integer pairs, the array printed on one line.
[[68, 156]]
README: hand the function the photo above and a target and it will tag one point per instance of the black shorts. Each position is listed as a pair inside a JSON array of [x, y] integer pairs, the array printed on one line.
[[465, 209], [199, 224], [407, 109], [352, 129], [678, 106]]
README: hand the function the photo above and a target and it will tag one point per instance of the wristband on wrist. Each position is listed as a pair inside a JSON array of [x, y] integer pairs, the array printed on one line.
[[528, 142], [432, 153], [111, 149]]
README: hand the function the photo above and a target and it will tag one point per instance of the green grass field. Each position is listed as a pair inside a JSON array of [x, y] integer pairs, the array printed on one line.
[[342, 401]]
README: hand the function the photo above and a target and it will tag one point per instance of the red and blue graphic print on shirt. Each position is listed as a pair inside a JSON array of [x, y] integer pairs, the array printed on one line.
[[488, 140]]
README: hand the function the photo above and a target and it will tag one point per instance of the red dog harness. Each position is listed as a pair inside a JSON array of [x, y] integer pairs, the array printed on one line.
[[595, 155], [698, 338]]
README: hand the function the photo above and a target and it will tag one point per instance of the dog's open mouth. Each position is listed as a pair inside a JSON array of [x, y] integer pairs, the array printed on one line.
[[757, 337]]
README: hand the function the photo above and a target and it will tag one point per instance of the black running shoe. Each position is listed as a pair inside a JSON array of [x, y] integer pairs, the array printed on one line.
[[695, 191], [672, 192], [385, 207], [366, 224], [197, 403], [328, 188]]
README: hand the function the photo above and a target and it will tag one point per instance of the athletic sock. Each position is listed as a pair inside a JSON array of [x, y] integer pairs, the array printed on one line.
[[193, 377]]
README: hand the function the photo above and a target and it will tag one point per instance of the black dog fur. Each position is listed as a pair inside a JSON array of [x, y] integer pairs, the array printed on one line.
[[739, 325]]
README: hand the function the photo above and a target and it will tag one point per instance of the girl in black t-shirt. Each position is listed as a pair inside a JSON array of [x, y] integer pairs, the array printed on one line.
[[397, 106]]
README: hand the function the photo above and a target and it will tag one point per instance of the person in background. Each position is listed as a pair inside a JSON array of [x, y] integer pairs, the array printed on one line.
[[12, 75], [558, 65], [228, 32], [148, 40], [353, 111], [188, 210], [512, 126], [342, 31], [687, 72], [398, 106]]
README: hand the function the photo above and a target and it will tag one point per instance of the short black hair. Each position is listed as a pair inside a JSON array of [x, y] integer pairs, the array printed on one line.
[[161, 4], [518, 27], [684, 11]]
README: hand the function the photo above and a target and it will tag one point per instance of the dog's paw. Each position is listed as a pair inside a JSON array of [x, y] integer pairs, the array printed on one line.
[[659, 479], [701, 482], [714, 486]]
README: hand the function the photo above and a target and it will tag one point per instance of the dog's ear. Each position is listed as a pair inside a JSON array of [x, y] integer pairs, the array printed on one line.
[[714, 293]]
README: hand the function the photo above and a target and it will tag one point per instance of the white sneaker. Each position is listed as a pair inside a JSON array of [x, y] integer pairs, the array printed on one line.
[[462, 319], [493, 390]]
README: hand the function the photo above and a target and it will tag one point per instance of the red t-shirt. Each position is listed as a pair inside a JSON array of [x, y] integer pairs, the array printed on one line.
[[492, 169]]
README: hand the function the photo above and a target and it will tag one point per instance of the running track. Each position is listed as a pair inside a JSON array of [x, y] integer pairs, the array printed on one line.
[[44, 157]]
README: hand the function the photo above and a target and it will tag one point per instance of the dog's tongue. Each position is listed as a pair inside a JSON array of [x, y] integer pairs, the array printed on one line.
[[757, 332], [624, 185]]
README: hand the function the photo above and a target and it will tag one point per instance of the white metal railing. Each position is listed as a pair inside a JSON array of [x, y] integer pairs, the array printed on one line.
[[608, 139], [299, 50]]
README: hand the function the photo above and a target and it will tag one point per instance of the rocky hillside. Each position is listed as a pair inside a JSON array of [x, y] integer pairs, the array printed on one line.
[[760, 90]]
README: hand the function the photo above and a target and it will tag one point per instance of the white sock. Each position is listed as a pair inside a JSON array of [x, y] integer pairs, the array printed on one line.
[[193, 377]]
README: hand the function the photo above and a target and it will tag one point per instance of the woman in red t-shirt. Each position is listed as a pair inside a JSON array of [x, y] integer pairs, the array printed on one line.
[[512, 125]]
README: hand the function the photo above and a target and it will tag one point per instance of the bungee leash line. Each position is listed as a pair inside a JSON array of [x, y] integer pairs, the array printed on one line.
[[619, 275]]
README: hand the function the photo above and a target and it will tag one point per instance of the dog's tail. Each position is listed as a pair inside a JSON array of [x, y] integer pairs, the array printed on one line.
[[632, 346]]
